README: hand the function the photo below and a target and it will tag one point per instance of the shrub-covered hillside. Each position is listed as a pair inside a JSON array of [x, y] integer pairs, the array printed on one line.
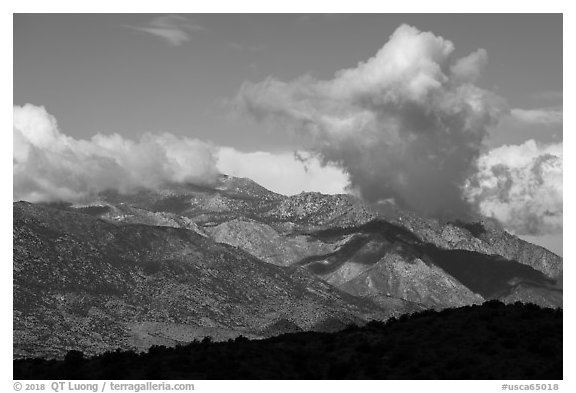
[[492, 341]]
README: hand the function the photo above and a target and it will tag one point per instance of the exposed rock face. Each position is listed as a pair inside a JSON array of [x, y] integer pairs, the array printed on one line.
[[414, 281], [266, 243], [165, 266]]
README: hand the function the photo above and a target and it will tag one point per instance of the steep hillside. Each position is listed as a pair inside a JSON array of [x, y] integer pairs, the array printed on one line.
[[84, 283], [354, 246]]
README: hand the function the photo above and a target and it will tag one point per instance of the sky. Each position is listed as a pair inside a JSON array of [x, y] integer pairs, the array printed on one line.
[[313, 102]]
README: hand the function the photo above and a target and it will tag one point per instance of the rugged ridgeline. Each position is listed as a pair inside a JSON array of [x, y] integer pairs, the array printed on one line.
[[171, 265]]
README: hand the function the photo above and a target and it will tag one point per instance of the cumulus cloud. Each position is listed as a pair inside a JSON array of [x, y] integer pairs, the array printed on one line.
[[175, 29], [406, 124], [521, 186], [470, 67], [49, 165], [285, 173]]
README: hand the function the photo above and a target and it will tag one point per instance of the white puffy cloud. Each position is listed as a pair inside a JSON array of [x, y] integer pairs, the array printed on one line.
[[521, 186], [406, 124], [49, 165], [470, 67], [286, 173]]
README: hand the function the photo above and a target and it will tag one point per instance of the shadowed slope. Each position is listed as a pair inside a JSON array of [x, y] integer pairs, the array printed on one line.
[[382, 243], [492, 341]]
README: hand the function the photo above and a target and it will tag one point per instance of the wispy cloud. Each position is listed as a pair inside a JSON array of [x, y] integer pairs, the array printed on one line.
[[538, 116], [549, 95], [175, 29], [246, 47], [310, 18]]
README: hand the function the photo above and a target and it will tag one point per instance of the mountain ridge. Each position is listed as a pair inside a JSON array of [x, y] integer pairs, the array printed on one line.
[[234, 258]]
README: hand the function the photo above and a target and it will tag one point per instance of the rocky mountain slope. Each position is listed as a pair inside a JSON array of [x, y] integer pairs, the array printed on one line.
[[169, 265], [82, 282]]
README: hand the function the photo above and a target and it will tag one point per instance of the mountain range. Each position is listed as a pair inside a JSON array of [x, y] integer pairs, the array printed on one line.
[[167, 266]]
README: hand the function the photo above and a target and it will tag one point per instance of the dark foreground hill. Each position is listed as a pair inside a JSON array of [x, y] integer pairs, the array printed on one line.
[[492, 341]]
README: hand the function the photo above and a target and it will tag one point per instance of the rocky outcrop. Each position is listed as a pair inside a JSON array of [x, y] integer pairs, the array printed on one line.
[[265, 243], [412, 280]]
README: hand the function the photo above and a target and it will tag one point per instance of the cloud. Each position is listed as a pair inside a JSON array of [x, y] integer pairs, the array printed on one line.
[[286, 173], [247, 47], [327, 17], [555, 96], [406, 124], [49, 165], [175, 29], [470, 67], [538, 116], [521, 186]]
